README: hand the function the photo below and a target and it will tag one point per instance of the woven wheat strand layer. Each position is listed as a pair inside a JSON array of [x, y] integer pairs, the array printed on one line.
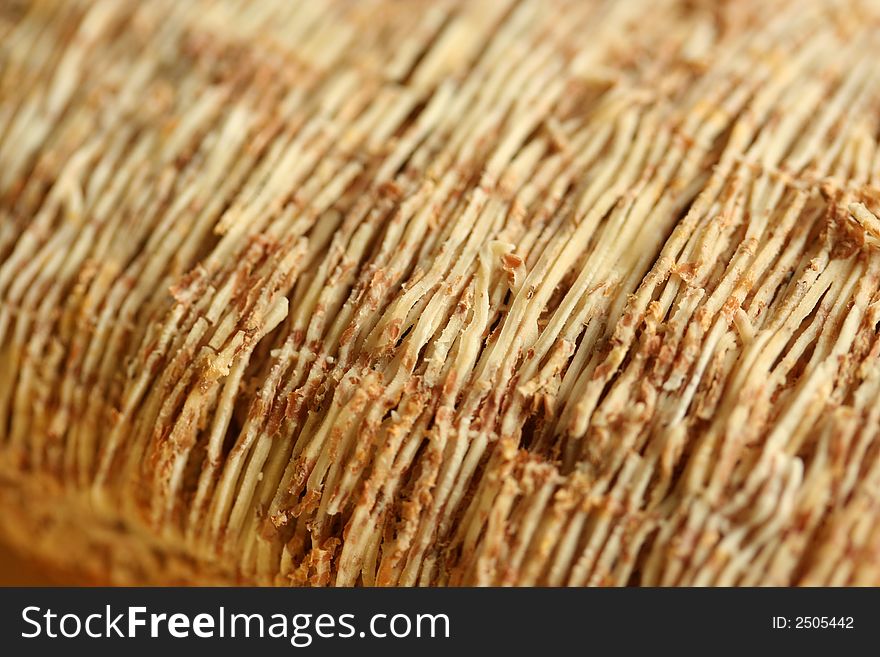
[[441, 293]]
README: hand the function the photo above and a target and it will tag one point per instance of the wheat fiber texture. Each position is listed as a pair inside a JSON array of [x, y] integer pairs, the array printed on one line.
[[441, 293]]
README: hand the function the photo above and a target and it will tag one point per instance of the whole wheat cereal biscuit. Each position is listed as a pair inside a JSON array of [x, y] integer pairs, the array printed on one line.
[[441, 292]]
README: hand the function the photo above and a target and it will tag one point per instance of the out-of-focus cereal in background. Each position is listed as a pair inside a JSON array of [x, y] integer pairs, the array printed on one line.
[[16, 571]]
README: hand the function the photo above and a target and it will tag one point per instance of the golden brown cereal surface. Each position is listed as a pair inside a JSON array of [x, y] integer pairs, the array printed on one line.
[[441, 292]]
